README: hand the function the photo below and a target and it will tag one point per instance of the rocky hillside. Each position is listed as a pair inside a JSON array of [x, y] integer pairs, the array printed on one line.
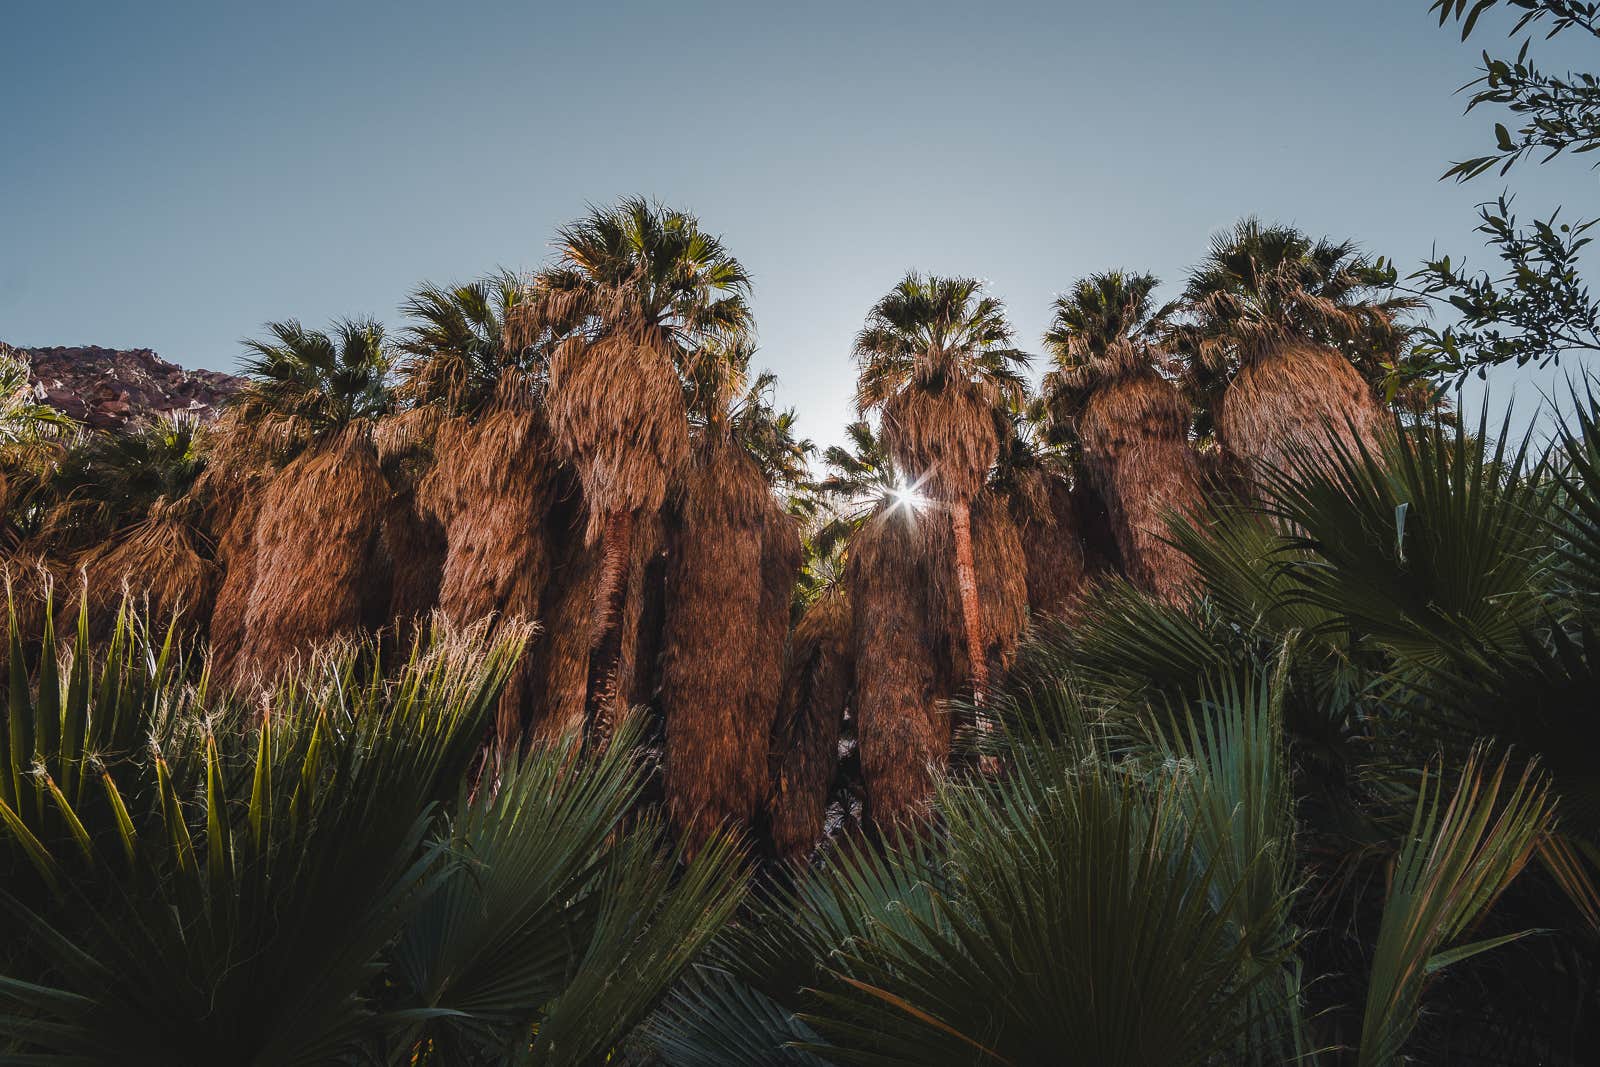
[[108, 388]]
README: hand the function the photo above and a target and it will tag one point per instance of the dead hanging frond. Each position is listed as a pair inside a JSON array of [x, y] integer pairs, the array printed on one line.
[[617, 409], [734, 555], [1304, 397], [902, 664], [819, 676], [946, 437], [489, 492], [165, 562], [1040, 502], [313, 552], [1136, 451]]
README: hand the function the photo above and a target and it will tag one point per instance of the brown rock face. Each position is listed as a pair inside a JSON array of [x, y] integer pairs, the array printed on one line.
[[108, 388]]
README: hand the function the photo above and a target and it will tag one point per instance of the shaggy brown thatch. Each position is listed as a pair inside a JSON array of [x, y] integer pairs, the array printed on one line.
[[617, 409], [947, 436], [558, 660], [946, 440], [233, 496], [1041, 508], [818, 678], [640, 629], [901, 662], [1297, 397], [413, 541], [29, 581], [1136, 449], [413, 544], [162, 563], [491, 490], [733, 560], [315, 549]]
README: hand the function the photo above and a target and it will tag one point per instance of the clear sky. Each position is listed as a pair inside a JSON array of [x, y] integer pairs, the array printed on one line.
[[174, 175]]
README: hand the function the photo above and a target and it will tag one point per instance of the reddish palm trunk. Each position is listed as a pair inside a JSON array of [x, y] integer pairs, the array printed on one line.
[[967, 582], [605, 638]]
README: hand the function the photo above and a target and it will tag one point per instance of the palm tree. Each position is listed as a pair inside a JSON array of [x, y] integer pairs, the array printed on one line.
[[936, 359], [636, 290], [1131, 422], [734, 555], [482, 508], [1268, 313], [131, 510], [31, 436], [309, 570]]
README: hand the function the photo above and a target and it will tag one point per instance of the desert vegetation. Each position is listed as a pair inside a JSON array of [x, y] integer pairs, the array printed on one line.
[[513, 684]]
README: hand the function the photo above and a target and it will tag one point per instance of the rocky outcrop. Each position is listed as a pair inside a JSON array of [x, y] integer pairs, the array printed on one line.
[[108, 388]]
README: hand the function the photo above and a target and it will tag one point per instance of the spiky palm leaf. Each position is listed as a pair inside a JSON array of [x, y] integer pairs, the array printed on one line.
[[303, 384], [1263, 286], [254, 874], [1455, 862], [456, 344]]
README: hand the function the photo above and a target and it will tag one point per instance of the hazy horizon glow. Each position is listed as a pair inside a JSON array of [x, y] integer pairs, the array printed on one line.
[[178, 177]]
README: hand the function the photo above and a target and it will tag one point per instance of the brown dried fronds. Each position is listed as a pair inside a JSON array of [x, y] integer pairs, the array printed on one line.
[[1299, 397], [818, 678], [617, 407], [314, 552], [902, 665], [734, 557], [1137, 453], [946, 436]]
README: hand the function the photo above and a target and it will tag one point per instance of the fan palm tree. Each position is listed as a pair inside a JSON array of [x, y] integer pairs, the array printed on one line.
[[1268, 312], [310, 569], [477, 524], [31, 436], [733, 561], [1033, 476], [1131, 422], [109, 480], [935, 359], [637, 289]]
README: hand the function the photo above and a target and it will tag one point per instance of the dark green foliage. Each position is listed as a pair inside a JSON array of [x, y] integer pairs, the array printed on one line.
[[190, 882]]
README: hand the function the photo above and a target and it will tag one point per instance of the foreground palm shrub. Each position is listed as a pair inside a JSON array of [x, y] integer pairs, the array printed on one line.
[[191, 882]]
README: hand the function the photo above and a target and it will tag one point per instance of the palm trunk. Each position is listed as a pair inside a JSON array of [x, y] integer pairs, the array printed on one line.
[[967, 582], [605, 638]]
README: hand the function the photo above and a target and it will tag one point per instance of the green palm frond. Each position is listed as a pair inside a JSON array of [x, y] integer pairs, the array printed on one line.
[[1106, 328], [264, 864], [645, 273], [931, 330], [456, 343], [107, 481], [1455, 861], [1432, 546], [1081, 916], [559, 922], [304, 383]]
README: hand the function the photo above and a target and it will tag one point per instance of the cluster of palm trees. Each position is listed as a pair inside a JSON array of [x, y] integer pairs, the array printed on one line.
[[1208, 704], [587, 449]]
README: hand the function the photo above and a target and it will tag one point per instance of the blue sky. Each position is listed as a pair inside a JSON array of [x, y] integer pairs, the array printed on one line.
[[176, 175]]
